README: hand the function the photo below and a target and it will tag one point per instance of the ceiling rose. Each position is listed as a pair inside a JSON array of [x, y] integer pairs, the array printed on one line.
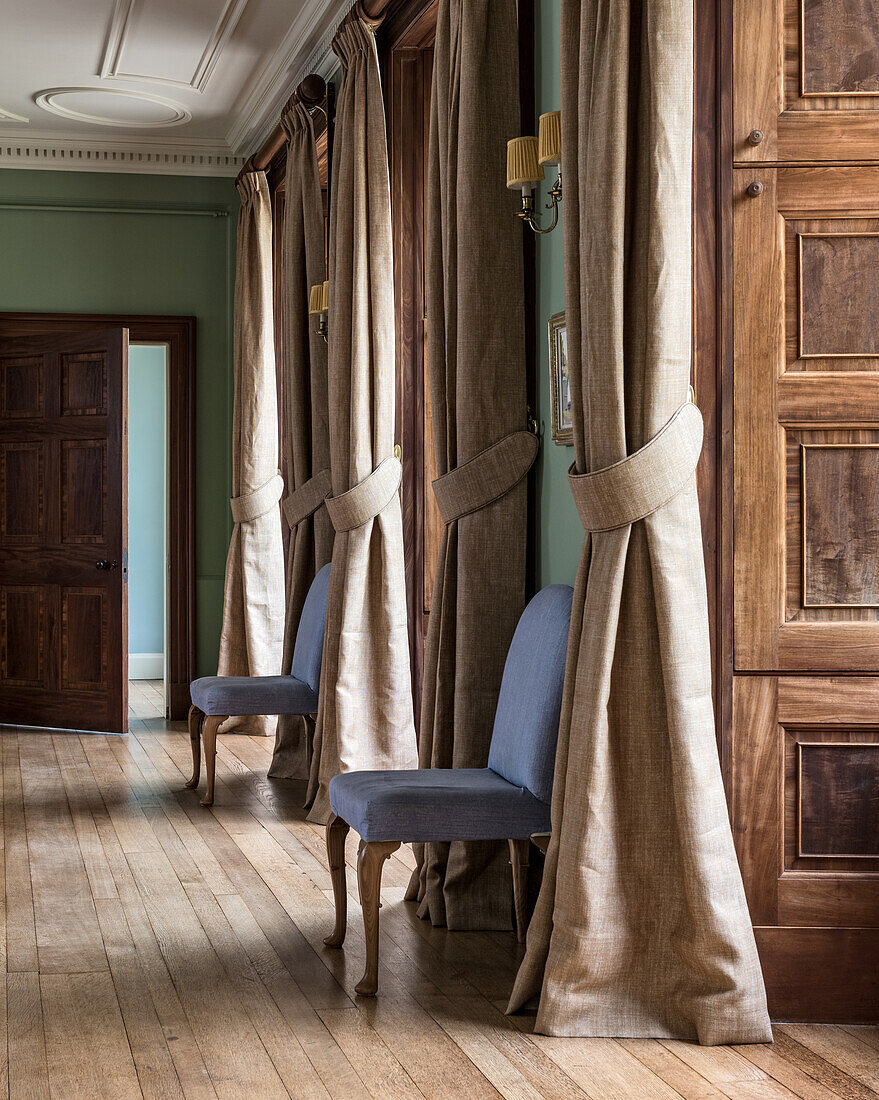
[[113, 107]]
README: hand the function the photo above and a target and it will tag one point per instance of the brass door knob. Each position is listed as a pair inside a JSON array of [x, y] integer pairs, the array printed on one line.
[[755, 137], [755, 189]]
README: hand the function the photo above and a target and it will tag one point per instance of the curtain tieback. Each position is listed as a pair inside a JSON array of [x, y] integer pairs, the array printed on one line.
[[640, 484], [251, 506], [486, 477], [306, 500], [368, 498]]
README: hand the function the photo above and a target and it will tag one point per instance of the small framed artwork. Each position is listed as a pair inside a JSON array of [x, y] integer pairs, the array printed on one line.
[[559, 383]]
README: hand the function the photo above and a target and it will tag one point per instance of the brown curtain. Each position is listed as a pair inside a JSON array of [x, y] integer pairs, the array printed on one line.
[[307, 441], [641, 927], [365, 716], [476, 343], [251, 641]]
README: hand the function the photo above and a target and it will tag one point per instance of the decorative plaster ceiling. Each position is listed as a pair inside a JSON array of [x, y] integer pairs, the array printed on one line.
[[153, 85]]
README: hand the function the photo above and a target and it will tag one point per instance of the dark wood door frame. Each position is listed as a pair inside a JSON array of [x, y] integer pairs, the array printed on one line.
[[179, 335]]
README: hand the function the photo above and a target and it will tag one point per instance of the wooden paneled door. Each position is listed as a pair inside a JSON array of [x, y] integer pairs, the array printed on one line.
[[63, 530], [806, 76], [805, 742]]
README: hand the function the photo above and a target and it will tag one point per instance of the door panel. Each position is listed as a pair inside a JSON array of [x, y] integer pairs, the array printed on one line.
[[805, 807], [806, 540], [806, 83], [63, 523]]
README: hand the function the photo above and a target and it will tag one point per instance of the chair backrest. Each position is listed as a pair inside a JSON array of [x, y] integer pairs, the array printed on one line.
[[309, 648], [526, 722]]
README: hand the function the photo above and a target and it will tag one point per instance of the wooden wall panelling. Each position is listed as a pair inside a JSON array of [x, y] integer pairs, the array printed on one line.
[[806, 75], [758, 342]]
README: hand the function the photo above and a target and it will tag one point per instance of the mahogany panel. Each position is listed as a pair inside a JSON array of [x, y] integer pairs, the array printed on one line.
[[827, 900], [21, 386], [839, 296], [84, 383], [840, 484], [821, 797], [805, 79], [840, 47], [23, 635], [839, 799], [758, 458], [756, 792], [22, 492], [83, 490], [84, 638], [841, 701]]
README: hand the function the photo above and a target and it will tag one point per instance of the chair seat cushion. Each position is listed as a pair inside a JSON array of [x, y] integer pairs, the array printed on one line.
[[436, 804], [253, 695]]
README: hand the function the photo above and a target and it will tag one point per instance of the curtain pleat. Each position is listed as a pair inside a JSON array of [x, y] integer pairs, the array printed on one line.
[[641, 926], [307, 442], [476, 345], [251, 640], [365, 716]]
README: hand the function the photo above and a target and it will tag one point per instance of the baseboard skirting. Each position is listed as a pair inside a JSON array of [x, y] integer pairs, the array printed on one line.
[[146, 666]]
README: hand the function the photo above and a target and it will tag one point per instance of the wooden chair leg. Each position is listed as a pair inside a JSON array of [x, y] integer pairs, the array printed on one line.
[[196, 717], [337, 830], [519, 863], [212, 723], [370, 861]]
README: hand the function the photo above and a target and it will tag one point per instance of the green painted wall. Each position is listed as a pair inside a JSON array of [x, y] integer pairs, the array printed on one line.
[[559, 532], [91, 262]]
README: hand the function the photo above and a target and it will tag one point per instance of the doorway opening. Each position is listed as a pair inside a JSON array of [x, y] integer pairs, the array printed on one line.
[[147, 530]]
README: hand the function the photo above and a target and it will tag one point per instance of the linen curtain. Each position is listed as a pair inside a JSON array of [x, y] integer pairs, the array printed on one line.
[[476, 342], [641, 926], [251, 640], [307, 443], [365, 715]]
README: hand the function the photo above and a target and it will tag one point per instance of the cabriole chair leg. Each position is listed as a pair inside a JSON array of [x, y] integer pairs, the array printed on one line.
[[337, 830], [212, 723], [519, 863], [196, 717], [370, 861]]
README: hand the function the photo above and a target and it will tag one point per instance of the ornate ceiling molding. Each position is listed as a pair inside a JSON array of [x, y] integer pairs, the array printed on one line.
[[112, 62], [51, 100], [10, 116], [90, 154], [263, 101]]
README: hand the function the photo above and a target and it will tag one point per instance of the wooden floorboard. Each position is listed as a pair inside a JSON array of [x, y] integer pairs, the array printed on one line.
[[155, 948]]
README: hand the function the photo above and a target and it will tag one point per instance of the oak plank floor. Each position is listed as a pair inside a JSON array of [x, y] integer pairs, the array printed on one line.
[[155, 948]]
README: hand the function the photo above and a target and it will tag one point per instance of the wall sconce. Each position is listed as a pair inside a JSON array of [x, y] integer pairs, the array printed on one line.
[[319, 306], [526, 157]]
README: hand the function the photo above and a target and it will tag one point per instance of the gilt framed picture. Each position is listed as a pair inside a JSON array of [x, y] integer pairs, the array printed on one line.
[[559, 383]]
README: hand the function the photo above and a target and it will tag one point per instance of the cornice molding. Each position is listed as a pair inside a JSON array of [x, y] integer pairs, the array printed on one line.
[[90, 154], [111, 66], [265, 98]]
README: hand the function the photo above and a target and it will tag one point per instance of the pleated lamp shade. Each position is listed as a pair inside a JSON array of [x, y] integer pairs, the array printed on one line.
[[314, 298], [522, 166], [549, 142], [325, 297]]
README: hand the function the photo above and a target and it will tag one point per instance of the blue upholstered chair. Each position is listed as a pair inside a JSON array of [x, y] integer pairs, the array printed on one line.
[[215, 698], [508, 800]]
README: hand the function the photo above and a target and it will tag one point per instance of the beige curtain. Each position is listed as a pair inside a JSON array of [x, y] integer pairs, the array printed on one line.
[[307, 442], [641, 927], [365, 716], [253, 599], [475, 323]]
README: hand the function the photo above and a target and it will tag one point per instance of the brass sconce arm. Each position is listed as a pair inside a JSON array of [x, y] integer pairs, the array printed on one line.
[[528, 215]]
